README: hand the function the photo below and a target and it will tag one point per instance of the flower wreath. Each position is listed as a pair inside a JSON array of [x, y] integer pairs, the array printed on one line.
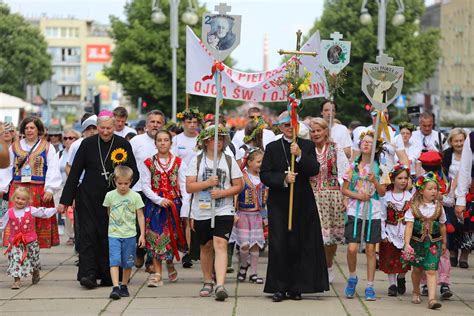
[[398, 168], [380, 142], [209, 132], [190, 114], [422, 180], [409, 126], [260, 127]]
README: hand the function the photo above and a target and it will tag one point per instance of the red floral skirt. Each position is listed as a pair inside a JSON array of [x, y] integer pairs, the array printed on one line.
[[46, 228], [389, 259]]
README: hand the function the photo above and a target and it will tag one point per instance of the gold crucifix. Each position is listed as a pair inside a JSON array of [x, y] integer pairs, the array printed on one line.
[[296, 53]]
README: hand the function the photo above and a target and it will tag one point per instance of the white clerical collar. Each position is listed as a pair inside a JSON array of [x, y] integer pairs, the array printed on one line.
[[287, 139]]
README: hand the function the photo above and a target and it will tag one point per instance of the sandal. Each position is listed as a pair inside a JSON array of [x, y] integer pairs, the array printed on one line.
[[172, 276], [221, 293], [70, 242], [255, 279], [35, 277], [155, 280], [16, 285], [242, 275], [433, 304], [416, 299], [206, 290]]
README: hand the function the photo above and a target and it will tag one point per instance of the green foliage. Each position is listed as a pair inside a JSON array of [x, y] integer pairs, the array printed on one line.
[[142, 58], [417, 54], [24, 59]]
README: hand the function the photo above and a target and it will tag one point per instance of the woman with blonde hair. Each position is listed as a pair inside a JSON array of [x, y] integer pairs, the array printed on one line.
[[327, 189]]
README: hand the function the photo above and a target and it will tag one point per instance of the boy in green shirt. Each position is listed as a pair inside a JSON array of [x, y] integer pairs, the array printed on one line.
[[123, 205]]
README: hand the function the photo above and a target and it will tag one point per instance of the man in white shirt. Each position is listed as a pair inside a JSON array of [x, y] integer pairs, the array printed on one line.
[[184, 144], [268, 135], [121, 116], [427, 139], [339, 133], [89, 128]]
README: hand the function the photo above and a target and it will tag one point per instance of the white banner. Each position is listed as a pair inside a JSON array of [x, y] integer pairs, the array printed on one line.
[[245, 86]]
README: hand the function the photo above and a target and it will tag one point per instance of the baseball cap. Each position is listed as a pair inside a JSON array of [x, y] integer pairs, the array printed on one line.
[[89, 121]]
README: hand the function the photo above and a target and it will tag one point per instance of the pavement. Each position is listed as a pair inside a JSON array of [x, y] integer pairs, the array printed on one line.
[[59, 294]]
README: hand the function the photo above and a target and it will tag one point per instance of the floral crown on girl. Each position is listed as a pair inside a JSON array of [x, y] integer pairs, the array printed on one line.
[[422, 180], [397, 168], [380, 142]]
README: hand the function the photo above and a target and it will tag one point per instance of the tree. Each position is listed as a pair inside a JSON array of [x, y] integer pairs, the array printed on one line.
[[24, 59], [142, 58], [418, 54]]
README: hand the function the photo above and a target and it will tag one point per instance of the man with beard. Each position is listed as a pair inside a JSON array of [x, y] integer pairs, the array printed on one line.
[[143, 147], [97, 156], [296, 259]]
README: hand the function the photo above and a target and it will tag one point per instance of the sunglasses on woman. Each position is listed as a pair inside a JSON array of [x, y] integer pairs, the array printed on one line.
[[69, 138]]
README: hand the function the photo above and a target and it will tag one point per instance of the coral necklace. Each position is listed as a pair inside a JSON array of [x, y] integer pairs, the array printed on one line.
[[393, 197], [166, 165]]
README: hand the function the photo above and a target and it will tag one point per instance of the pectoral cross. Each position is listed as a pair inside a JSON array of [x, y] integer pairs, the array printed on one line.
[[105, 173], [296, 53]]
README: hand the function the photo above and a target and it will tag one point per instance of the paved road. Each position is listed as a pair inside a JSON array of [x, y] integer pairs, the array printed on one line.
[[59, 294]]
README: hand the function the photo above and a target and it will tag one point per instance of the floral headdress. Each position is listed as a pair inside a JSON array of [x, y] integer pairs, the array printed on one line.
[[380, 142], [397, 168], [259, 128], [190, 114], [422, 180], [209, 132], [409, 126]]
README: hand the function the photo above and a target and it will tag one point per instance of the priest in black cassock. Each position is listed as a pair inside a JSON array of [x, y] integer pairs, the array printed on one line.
[[97, 156], [296, 259]]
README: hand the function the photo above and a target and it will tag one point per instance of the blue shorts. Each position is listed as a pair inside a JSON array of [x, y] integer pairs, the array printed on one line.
[[122, 252]]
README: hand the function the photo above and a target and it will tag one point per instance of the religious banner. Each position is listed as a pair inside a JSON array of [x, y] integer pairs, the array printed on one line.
[[335, 53], [382, 83], [245, 86]]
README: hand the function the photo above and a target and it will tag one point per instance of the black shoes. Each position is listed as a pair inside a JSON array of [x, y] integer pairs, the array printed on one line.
[[424, 290], [124, 291], [401, 286], [445, 291], [115, 294], [392, 290], [278, 297], [294, 296], [463, 264], [88, 282], [453, 261], [186, 261]]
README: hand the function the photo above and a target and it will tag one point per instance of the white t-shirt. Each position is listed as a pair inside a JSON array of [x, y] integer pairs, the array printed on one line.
[[125, 131], [143, 147], [238, 139], [184, 147], [427, 142], [426, 210], [223, 206], [413, 152], [341, 136]]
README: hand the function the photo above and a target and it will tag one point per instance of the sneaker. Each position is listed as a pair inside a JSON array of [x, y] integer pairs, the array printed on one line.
[[445, 291], [392, 290], [124, 291], [330, 275], [424, 290], [401, 286], [186, 261], [351, 287], [115, 294], [221, 293], [370, 294]]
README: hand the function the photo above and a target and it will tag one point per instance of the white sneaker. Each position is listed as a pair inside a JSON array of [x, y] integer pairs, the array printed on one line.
[[330, 275]]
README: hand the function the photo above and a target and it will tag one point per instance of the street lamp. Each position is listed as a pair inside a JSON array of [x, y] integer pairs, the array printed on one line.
[[397, 20], [189, 17]]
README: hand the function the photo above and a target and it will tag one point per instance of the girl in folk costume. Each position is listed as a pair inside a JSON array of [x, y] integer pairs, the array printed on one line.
[[425, 235], [35, 167], [248, 229], [327, 189], [362, 186], [161, 185], [395, 204], [23, 249]]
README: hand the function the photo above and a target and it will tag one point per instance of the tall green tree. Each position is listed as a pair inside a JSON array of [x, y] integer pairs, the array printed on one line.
[[417, 53], [24, 59], [142, 57]]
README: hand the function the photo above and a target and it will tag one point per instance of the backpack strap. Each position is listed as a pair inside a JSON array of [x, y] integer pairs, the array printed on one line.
[[198, 163]]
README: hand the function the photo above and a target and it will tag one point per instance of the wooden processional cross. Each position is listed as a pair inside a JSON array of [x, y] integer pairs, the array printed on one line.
[[296, 53]]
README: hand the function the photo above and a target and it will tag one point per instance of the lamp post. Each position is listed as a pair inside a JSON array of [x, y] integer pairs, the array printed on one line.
[[189, 17], [397, 20]]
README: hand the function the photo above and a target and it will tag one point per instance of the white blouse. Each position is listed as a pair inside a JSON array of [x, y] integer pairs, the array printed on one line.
[[41, 212]]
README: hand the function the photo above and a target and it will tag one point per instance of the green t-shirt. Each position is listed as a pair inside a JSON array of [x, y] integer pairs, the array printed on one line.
[[123, 213]]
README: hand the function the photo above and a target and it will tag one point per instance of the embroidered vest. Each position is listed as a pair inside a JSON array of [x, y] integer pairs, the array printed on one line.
[[427, 227], [37, 161], [327, 178], [394, 215], [164, 184], [252, 198], [24, 227]]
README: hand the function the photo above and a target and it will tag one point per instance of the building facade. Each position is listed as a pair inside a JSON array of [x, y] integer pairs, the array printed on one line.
[[79, 52]]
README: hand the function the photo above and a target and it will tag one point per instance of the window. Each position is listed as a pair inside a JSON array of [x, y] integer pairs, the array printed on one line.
[[52, 32]]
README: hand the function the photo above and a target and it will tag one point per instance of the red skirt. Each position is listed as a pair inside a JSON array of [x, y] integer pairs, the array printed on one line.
[[389, 259], [46, 228]]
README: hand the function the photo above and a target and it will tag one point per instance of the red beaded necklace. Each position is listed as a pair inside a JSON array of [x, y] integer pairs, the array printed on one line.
[[166, 165]]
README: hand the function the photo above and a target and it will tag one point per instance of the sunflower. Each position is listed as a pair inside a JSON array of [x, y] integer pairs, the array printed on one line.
[[119, 156]]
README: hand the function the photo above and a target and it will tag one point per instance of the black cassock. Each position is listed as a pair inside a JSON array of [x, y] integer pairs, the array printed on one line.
[[92, 217], [296, 259]]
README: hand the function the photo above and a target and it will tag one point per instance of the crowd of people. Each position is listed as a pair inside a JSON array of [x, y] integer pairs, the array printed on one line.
[[161, 192]]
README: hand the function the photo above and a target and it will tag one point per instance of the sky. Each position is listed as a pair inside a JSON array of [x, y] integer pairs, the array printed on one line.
[[279, 19]]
